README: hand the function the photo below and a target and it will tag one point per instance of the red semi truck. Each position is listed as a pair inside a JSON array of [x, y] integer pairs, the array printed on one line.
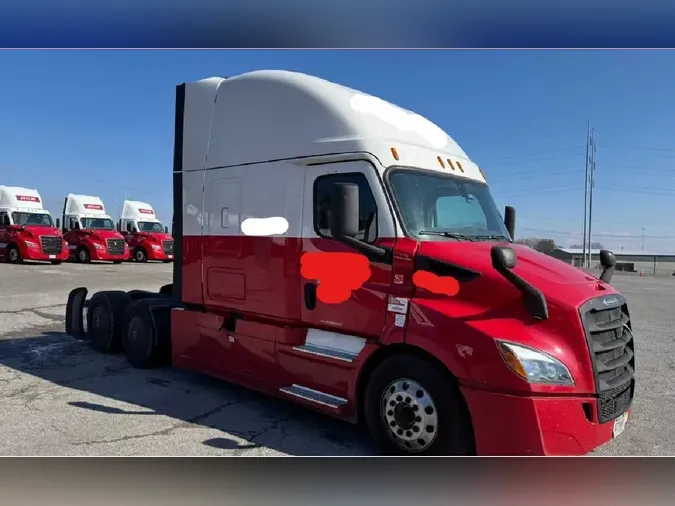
[[145, 235], [343, 253], [90, 232], [27, 230]]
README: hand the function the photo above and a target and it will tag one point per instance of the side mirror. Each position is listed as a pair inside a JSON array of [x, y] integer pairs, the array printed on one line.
[[129, 226], [344, 222], [510, 220], [503, 258], [608, 261], [58, 223], [76, 225], [344, 210], [166, 230]]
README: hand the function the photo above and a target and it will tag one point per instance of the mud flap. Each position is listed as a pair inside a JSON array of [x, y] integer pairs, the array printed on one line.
[[75, 312]]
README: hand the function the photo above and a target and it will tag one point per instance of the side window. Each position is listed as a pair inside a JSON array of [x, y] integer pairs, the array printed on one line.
[[367, 205], [4, 219], [72, 222], [458, 212]]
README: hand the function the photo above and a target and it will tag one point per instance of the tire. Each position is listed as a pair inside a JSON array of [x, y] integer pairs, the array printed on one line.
[[82, 255], [13, 255], [140, 255], [56, 262], [425, 404], [140, 341], [105, 320]]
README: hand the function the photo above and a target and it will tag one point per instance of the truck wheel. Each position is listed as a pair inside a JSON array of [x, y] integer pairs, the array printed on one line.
[[412, 409], [83, 255], [139, 340], [140, 255], [105, 318], [13, 255]]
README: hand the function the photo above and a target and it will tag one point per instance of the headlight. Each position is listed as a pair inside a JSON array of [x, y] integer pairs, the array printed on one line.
[[534, 366], [30, 244], [99, 246], [156, 247]]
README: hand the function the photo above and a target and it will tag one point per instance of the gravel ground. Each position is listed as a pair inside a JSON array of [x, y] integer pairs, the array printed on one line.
[[59, 397]]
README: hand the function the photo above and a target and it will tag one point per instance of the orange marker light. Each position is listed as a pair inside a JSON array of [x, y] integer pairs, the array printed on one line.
[[394, 153], [459, 165], [450, 164], [440, 161]]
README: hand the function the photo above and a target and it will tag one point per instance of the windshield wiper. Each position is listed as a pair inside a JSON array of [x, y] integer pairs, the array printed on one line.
[[495, 237], [453, 235]]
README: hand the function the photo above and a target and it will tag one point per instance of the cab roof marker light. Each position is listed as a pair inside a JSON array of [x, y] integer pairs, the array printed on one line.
[[459, 166], [440, 161], [450, 164], [394, 153]]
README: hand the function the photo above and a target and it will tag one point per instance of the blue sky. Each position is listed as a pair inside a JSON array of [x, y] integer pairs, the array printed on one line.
[[101, 122]]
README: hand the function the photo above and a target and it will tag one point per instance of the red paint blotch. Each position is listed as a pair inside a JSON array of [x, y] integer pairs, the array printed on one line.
[[446, 285], [339, 274]]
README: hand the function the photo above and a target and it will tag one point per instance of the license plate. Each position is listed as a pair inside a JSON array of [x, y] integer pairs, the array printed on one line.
[[52, 257], [620, 424]]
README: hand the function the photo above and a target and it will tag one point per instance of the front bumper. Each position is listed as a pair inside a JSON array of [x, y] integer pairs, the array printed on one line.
[[158, 255], [104, 256], [512, 425], [36, 254]]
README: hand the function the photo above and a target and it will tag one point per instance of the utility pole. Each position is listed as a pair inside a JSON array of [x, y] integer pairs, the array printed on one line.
[[643, 238], [590, 198], [588, 139]]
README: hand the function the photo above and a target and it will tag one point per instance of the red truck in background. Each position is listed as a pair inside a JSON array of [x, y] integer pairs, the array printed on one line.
[[345, 254], [90, 232], [145, 235], [27, 230]]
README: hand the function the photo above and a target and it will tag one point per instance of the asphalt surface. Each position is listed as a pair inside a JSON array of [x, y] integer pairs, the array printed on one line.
[[58, 397]]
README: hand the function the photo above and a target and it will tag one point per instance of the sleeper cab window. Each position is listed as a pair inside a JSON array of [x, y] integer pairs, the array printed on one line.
[[367, 206]]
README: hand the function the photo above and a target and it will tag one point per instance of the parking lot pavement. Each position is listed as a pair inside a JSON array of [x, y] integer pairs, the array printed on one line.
[[58, 397]]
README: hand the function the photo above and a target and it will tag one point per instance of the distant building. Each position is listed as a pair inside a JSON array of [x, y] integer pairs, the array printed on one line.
[[632, 261]]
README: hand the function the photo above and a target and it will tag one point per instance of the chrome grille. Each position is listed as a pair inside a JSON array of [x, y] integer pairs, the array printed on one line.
[[115, 246], [51, 244], [609, 333]]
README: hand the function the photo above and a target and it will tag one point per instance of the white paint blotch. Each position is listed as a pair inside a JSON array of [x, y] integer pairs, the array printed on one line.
[[263, 227], [401, 119]]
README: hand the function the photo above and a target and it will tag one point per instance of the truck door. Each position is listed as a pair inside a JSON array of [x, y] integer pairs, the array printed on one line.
[[4, 232], [364, 312]]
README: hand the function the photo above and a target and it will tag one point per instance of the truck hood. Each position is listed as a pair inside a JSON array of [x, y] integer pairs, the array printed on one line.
[[160, 236], [104, 234], [561, 283], [40, 231]]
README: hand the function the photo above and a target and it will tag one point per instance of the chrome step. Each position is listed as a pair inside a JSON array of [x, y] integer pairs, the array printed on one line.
[[314, 396]]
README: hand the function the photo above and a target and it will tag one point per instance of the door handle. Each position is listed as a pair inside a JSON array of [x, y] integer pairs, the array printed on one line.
[[310, 296]]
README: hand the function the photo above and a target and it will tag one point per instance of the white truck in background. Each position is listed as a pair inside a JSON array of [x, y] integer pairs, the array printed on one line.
[[27, 230], [144, 233], [90, 232]]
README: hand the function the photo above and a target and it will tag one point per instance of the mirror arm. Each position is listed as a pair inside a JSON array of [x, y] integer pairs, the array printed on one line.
[[373, 253]]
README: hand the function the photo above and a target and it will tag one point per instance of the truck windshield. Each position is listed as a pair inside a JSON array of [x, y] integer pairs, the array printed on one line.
[[33, 219], [97, 223], [150, 226], [442, 205]]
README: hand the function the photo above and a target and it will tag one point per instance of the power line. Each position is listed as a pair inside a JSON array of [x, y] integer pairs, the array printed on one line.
[[618, 236]]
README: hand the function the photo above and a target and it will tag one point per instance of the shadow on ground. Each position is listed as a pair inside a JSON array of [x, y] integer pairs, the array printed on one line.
[[246, 419]]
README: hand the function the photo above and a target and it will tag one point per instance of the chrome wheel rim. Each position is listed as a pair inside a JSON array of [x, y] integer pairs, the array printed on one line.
[[409, 415], [13, 255]]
